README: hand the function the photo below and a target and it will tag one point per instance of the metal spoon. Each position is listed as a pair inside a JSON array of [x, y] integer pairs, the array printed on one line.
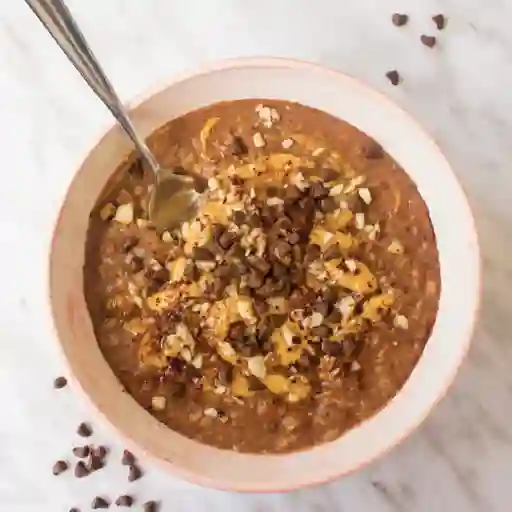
[[174, 197]]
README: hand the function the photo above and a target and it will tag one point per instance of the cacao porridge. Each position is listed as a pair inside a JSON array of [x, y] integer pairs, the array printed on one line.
[[293, 307]]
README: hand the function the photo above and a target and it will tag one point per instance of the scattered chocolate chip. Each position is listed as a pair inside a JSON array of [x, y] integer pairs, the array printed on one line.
[[236, 330], [373, 151], [260, 306], [313, 253], [322, 331], [150, 506], [255, 279], [94, 463], [277, 320], [99, 502], [332, 348], [279, 271], [399, 19], [202, 254], [328, 205], [81, 470], [293, 238], [318, 191], [129, 243], [84, 430], [60, 382], [59, 467], [327, 174], [260, 264], [227, 239], [440, 21], [124, 501], [393, 77], [74, 509], [239, 218], [429, 41], [128, 458], [292, 193], [238, 146], [134, 473], [81, 451], [333, 252]]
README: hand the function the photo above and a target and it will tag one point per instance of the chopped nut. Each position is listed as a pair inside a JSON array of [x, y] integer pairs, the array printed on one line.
[[258, 140], [124, 213], [359, 219], [197, 362], [401, 322], [267, 115], [287, 143], [166, 237], [107, 212], [395, 247], [211, 412], [158, 403], [365, 195], [256, 366]]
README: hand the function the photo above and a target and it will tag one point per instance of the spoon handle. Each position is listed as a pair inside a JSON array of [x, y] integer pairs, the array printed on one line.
[[59, 22]]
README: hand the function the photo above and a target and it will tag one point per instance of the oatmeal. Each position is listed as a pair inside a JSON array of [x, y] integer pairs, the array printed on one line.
[[297, 302]]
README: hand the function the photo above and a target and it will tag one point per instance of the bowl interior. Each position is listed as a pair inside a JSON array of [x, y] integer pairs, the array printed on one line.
[[340, 96]]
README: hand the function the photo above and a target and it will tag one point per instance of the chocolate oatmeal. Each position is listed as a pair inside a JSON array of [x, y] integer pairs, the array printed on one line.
[[293, 307]]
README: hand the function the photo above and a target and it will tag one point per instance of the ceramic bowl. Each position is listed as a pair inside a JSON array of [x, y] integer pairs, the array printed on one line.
[[416, 152]]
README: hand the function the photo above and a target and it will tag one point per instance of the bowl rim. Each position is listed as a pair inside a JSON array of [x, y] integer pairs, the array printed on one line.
[[278, 62]]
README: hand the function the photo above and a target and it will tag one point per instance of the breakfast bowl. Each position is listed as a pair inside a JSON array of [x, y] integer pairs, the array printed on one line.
[[459, 265]]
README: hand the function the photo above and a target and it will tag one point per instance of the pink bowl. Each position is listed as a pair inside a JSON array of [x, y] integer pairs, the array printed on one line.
[[403, 138]]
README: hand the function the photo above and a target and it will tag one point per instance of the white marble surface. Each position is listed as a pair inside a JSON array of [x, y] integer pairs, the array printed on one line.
[[461, 458]]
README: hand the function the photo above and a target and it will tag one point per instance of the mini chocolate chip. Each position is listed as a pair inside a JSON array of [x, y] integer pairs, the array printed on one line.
[[124, 501], [269, 288], [60, 382], [318, 191], [81, 451], [429, 41], [236, 330], [150, 506], [260, 264], [238, 146], [239, 217], [332, 348], [292, 193], [332, 253], [373, 151], [293, 238], [394, 77], [202, 254], [129, 243], [80, 469], [277, 320], [255, 279], [279, 270], [334, 317], [272, 191], [137, 264], [128, 458], [99, 502], [313, 253], [260, 306], [94, 463], [399, 20], [440, 21], [227, 239], [328, 205], [74, 509], [59, 467], [321, 307], [134, 473], [321, 331], [84, 430]]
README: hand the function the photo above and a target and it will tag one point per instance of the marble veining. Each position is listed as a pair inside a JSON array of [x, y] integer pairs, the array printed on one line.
[[461, 458]]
